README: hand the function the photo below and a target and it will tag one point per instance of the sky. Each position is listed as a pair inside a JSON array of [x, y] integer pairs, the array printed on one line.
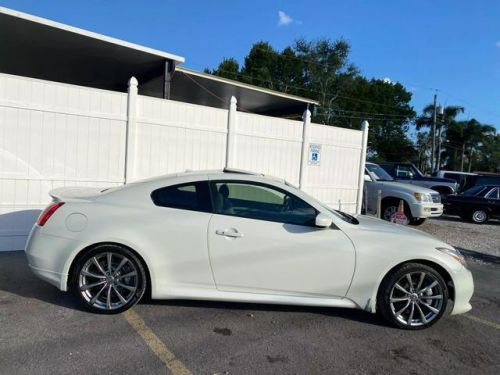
[[452, 46]]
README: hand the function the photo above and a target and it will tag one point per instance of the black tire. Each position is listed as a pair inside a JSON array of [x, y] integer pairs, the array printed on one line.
[[417, 222], [426, 316], [479, 216], [121, 287]]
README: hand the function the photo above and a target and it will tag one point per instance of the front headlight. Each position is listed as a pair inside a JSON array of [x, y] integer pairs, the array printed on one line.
[[454, 253], [423, 197]]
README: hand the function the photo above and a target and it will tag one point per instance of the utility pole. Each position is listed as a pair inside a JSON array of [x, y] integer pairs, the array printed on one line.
[[440, 131], [433, 148]]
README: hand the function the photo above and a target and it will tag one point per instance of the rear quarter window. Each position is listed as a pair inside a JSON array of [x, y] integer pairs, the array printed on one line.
[[190, 196]]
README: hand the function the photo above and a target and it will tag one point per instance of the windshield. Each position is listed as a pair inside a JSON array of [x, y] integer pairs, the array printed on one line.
[[473, 191], [379, 173]]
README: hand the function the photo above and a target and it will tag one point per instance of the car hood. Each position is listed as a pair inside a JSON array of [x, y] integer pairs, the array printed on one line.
[[377, 233], [407, 188], [438, 179], [367, 223]]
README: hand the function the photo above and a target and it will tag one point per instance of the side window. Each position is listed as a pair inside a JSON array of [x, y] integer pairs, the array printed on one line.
[[191, 196], [262, 202], [494, 194], [404, 171]]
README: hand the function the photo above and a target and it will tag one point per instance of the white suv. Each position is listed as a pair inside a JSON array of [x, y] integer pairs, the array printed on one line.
[[419, 203]]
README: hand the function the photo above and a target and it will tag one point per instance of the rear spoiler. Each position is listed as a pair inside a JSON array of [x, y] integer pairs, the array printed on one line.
[[75, 193]]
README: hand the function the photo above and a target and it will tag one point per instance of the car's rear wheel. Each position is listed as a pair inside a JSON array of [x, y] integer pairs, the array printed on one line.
[[479, 216], [109, 279], [414, 296]]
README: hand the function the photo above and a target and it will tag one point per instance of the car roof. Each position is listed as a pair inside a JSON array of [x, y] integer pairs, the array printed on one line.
[[458, 172], [202, 174]]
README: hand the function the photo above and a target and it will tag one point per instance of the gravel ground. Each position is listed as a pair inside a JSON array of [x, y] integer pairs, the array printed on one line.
[[484, 239]]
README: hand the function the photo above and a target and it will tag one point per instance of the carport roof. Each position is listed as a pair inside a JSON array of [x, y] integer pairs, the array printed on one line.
[[207, 89], [36, 47]]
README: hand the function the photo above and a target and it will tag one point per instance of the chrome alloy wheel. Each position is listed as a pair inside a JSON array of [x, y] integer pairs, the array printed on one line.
[[479, 216], [416, 298], [108, 281]]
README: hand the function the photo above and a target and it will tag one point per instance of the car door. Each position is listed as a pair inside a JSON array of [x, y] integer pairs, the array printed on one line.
[[262, 239], [177, 235], [494, 201]]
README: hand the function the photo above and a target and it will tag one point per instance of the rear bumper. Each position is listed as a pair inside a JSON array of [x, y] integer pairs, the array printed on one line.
[[49, 256], [425, 210]]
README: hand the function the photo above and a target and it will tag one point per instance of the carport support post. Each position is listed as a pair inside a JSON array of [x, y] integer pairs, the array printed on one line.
[[306, 117], [231, 133], [131, 130], [362, 160]]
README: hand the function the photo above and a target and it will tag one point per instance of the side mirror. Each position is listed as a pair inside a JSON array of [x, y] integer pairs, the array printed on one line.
[[323, 220], [368, 178]]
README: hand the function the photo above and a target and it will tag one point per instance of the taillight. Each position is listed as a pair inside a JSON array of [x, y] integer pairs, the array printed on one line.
[[48, 212]]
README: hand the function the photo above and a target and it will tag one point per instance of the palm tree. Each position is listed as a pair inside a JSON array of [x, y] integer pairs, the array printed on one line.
[[469, 135], [443, 122]]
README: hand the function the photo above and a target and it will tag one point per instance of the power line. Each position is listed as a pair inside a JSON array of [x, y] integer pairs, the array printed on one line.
[[308, 90]]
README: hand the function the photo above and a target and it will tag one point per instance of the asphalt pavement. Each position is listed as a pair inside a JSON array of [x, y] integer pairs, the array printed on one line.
[[44, 331]]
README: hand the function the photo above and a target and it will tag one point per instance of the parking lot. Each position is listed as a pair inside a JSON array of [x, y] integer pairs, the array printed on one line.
[[44, 331]]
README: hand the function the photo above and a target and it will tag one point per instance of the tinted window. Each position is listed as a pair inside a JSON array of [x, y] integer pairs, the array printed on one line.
[[259, 201], [405, 171], [190, 196], [472, 192], [494, 194], [487, 180]]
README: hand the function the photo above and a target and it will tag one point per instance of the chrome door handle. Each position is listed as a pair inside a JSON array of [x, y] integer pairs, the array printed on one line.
[[229, 233]]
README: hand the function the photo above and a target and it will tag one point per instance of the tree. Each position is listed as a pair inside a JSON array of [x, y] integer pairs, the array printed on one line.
[[443, 122], [321, 70], [228, 68], [467, 137]]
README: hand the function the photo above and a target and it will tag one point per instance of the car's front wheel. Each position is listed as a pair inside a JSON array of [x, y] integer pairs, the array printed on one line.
[[109, 279], [414, 296], [479, 216]]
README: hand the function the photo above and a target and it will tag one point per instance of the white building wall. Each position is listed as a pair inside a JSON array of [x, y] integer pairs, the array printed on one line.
[[54, 134]]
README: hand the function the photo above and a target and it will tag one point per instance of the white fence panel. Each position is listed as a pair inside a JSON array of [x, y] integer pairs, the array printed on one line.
[[175, 136], [335, 179], [53, 135], [268, 145]]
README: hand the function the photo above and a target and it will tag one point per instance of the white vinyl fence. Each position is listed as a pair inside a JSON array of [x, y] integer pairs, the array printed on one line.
[[54, 134]]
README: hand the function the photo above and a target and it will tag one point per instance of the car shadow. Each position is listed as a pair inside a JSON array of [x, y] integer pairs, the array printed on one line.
[[16, 278], [344, 313], [479, 256], [453, 218]]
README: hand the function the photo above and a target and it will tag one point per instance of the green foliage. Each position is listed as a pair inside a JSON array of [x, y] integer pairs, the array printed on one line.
[[321, 70]]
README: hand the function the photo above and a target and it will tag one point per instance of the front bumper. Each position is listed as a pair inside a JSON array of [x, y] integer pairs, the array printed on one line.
[[464, 288], [425, 210]]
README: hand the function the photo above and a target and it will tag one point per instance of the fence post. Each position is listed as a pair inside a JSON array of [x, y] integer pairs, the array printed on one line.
[[362, 160], [131, 131], [231, 133], [306, 117]]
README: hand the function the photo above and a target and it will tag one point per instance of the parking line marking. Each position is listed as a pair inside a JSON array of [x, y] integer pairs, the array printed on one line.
[[483, 321], [175, 366]]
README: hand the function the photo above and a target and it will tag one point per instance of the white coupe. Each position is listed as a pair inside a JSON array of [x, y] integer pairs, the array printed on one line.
[[233, 236]]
